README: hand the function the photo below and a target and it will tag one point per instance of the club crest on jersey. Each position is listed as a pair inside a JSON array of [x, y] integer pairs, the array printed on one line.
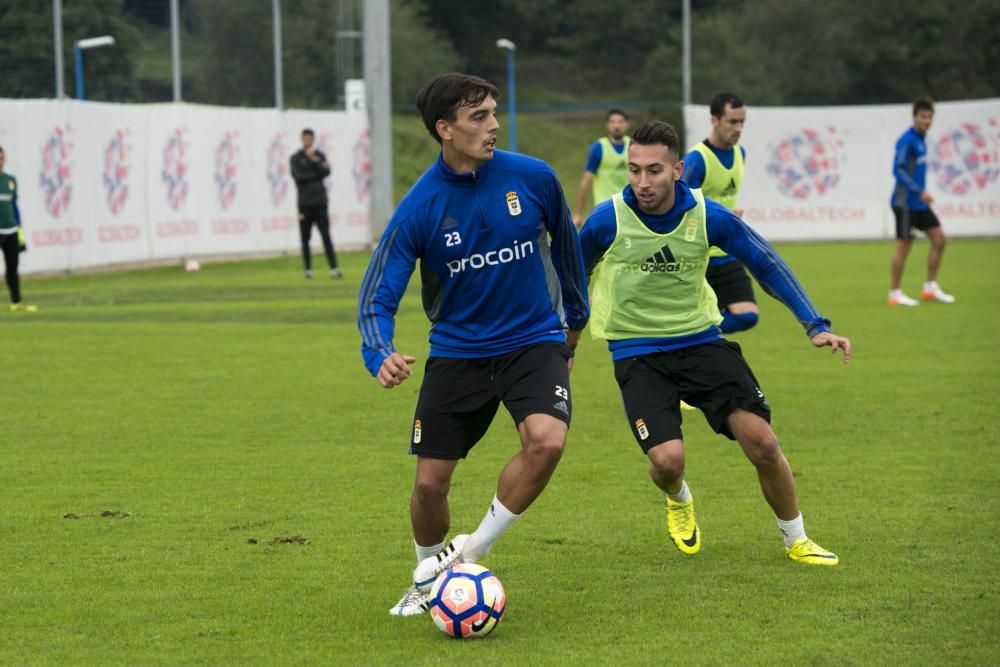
[[416, 432], [513, 203], [640, 426]]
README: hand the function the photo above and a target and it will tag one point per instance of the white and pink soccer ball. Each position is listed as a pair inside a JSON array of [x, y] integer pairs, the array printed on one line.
[[192, 266], [467, 601]]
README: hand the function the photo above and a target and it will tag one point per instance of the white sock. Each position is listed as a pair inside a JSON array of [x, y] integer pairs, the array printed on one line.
[[682, 496], [497, 520], [930, 285], [896, 292], [426, 552], [792, 531]]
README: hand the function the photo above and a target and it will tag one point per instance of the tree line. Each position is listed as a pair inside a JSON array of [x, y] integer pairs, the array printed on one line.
[[773, 52]]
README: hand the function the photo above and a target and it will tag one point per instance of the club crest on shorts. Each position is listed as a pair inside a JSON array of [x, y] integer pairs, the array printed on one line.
[[416, 432], [513, 203], [640, 426]]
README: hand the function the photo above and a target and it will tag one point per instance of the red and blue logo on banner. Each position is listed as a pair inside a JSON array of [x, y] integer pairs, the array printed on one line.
[[115, 174], [227, 167], [362, 169], [967, 158], [175, 168], [807, 163], [277, 168], [56, 171]]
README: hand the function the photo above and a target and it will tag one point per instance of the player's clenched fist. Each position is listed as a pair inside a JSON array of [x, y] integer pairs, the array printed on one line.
[[395, 368]]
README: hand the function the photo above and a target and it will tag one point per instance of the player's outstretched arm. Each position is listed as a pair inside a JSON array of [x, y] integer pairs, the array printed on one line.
[[586, 181], [828, 338], [395, 369]]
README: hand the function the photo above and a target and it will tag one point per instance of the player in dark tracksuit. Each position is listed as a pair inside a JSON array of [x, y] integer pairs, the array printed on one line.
[[11, 239], [309, 168]]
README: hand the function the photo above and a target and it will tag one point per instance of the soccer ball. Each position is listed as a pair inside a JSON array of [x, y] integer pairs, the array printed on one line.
[[192, 266], [467, 601]]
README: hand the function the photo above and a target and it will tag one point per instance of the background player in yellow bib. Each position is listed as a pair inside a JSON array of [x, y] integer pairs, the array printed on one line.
[[605, 170], [716, 166], [647, 250]]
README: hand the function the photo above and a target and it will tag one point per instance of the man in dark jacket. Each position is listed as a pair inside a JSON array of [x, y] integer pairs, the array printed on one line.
[[309, 168]]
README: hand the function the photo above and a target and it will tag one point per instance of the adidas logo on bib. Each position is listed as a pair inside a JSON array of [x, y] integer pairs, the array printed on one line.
[[661, 261]]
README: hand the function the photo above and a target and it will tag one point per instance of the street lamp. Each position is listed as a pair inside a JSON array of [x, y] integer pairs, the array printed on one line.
[[79, 46], [504, 43]]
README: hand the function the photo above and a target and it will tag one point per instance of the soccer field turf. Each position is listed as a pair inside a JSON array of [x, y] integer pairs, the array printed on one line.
[[196, 468]]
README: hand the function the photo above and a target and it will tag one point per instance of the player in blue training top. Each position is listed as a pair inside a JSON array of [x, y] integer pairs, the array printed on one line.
[[504, 288], [911, 206], [647, 250], [715, 166]]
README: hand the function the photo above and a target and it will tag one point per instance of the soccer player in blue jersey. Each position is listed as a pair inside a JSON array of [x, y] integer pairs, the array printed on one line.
[[911, 205], [605, 170], [504, 288], [646, 251], [715, 166]]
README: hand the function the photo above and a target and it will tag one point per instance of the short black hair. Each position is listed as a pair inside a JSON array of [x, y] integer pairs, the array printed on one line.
[[657, 132], [721, 101], [923, 104], [616, 112], [441, 97], [308, 131]]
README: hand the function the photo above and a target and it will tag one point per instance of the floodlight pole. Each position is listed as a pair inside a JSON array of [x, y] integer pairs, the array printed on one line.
[[57, 40], [175, 47], [686, 55], [378, 90], [511, 48], [81, 45], [279, 94]]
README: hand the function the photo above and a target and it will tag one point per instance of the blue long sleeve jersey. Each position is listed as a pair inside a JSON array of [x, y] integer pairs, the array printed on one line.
[[492, 280], [909, 166], [725, 231], [694, 176]]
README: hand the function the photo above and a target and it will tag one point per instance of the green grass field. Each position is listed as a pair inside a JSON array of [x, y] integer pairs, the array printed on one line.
[[196, 469]]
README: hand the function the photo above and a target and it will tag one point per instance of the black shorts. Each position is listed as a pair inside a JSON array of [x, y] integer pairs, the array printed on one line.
[[730, 282], [907, 220], [459, 397], [714, 377]]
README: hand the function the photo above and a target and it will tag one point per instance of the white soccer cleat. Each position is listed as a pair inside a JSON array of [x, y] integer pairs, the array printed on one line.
[[412, 603], [936, 295], [429, 568], [900, 299]]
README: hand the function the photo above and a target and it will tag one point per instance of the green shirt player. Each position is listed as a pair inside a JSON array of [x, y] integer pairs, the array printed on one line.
[[647, 251], [11, 237], [716, 166], [605, 170]]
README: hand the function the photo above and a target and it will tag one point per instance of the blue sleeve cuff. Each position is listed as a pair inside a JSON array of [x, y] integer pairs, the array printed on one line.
[[819, 326], [374, 358]]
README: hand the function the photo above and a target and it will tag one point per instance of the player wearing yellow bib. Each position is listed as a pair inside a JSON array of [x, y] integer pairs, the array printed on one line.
[[605, 170], [647, 250], [716, 166]]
